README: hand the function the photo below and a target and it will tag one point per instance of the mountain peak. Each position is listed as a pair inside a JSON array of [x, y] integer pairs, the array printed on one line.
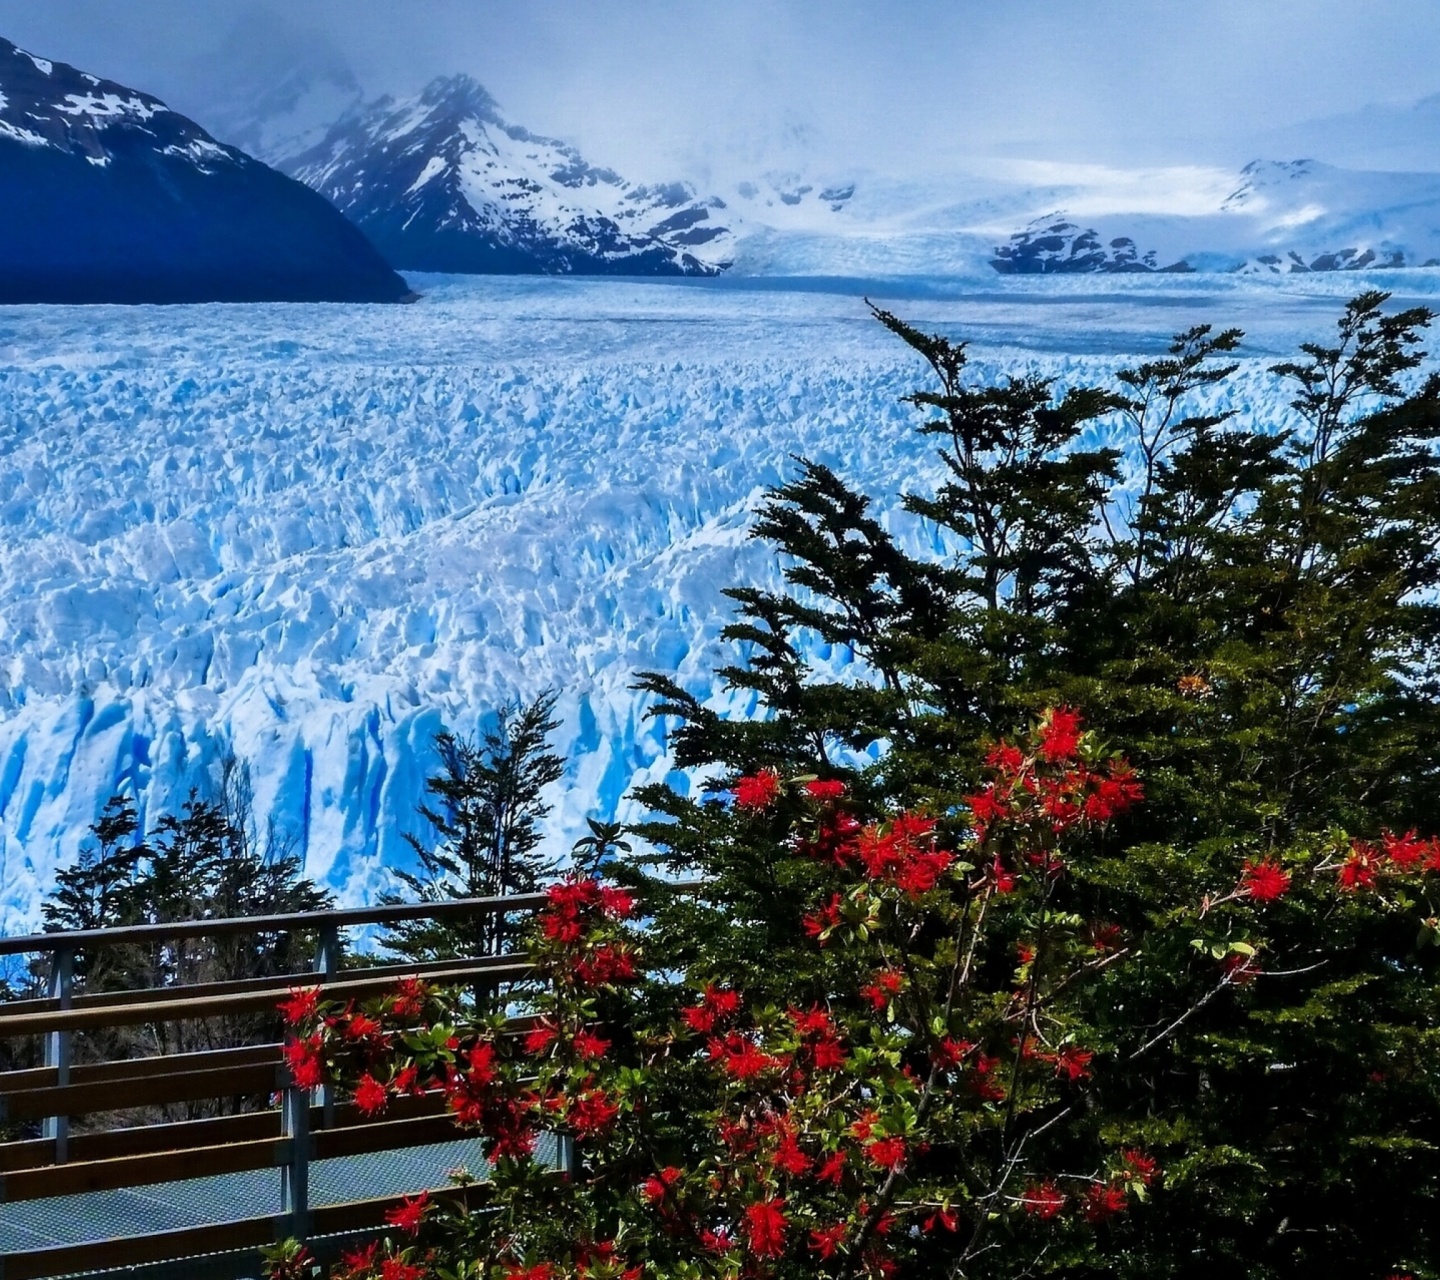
[[462, 94]]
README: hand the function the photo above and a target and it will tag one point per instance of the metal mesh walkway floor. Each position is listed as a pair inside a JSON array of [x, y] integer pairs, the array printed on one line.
[[197, 1202]]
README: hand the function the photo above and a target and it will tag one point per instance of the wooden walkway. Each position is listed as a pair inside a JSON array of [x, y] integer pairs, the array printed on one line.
[[73, 1203]]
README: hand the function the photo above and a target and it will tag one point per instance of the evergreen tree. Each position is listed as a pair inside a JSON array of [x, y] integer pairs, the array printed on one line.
[[485, 825], [208, 861], [1252, 614]]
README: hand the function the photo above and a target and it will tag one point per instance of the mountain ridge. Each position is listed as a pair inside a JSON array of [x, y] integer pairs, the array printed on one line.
[[441, 181], [106, 195]]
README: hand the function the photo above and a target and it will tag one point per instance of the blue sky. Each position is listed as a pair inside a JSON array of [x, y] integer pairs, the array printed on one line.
[[898, 83]]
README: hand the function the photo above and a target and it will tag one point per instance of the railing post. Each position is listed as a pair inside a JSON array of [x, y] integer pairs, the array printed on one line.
[[327, 964], [295, 1174], [57, 1046]]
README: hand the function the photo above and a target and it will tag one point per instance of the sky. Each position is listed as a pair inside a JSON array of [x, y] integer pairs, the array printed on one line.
[[897, 85]]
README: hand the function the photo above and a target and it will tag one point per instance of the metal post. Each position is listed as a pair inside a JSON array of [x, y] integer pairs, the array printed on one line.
[[295, 1174], [57, 1047], [327, 963]]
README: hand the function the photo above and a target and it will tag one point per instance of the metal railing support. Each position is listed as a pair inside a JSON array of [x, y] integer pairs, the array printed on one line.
[[327, 964], [58, 1046], [295, 1174]]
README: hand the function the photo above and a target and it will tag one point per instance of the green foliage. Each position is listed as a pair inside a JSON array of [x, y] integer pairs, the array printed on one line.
[[485, 824], [210, 859], [1253, 616]]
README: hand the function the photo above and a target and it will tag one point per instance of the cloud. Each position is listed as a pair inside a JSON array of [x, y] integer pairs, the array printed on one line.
[[907, 85]]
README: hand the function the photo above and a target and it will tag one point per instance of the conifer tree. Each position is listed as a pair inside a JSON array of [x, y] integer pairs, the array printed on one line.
[[485, 831], [1251, 612]]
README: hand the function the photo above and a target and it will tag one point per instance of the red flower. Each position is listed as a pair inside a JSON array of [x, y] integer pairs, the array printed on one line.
[[360, 1027], [399, 1269], [886, 1153], [607, 963], [765, 1225], [539, 1039], [832, 1169], [942, 1218], [717, 1241], [758, 790], [788, 1157], [1360, 868], [985, 809], [741, 1058], [1043, 1201], [1105, 937], [592, 1113], [307, 1068], [1103, 1202], [1060, 735], [657, 1185], [1004, 758], [361, 1258], [301, 1006], [883, 988], [819, 923], [828, 1054], [1113, 793], [715, 1003], [950, 1052], [589, 1045], [618, 904], [1405, 852], [814, 1022], [1004, 880], [370, 1095], [825, 1240], [1073, 1062], [1264, 881], [540, 1271], [409, 999], [1140, 1166], [409, 1214], [824, 789]]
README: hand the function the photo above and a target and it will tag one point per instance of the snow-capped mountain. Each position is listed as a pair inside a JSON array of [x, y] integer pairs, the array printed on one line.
[[106, 195], [442, 182], [271, 88], [1281, 217]]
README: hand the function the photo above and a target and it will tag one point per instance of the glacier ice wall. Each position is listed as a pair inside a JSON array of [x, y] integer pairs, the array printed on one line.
[[313, 536]]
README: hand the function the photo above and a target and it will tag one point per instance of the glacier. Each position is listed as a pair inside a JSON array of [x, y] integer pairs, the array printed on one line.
[[315, 535]]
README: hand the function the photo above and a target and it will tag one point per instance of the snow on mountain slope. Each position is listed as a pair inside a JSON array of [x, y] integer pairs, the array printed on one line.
[[1032, 218], [316, 535], [271, 88], [108, 195], [442, 182]]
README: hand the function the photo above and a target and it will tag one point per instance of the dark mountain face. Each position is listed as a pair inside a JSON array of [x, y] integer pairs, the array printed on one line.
[[106, 195], [442, 183]]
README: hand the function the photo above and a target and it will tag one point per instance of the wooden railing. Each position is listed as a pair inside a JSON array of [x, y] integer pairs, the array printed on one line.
[[289, 1130]]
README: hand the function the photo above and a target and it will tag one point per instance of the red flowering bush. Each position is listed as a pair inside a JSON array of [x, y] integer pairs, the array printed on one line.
[[910, 1093]]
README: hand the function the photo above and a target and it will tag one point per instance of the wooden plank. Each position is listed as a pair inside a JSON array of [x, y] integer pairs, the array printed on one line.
[[385, 1135], [183, 1008], [37, 1153], [128, 1068], [140, 1091], [159, 1246], [304, 921], [144, 1170], [278, 983]]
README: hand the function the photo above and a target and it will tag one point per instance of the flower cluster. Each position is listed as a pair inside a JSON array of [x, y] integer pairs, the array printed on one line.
[[727, 1124]]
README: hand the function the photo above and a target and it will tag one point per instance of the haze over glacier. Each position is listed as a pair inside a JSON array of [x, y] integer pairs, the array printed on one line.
[[315, 535]]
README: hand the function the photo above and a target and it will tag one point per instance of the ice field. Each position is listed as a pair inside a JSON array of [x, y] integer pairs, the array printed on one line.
[[314, 535]]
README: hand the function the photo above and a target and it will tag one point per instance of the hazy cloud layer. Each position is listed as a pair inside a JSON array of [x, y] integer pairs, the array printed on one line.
[[900, 85]]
